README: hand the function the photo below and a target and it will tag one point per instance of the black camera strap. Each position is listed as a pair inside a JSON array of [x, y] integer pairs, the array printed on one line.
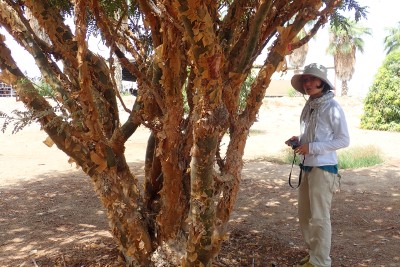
[[291, 169]]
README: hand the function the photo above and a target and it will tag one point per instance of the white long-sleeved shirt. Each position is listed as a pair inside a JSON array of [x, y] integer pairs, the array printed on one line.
[[331, 134]]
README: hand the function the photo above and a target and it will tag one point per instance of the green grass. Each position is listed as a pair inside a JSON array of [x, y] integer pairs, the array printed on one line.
[[285, 157], [359, 156], [349, 158], [256, 132]]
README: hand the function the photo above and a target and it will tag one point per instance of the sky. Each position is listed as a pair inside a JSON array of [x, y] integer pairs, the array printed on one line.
[[382, 14]]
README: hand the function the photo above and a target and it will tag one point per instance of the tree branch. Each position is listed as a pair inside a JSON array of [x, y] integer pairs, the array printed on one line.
[[230, 24], [112, 36], [254, 34], [26, 37], [311, 13]]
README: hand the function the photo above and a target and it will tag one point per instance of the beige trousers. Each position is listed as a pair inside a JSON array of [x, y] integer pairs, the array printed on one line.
[[314, 206]]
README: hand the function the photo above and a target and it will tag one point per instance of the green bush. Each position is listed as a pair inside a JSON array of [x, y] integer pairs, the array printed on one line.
[[349, 158], [292, 92], [382, 104]]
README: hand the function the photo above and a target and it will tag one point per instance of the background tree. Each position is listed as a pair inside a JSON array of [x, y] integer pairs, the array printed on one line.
[[204, 48], [298, 56], [392, 40], [345, 40], [382, 104]]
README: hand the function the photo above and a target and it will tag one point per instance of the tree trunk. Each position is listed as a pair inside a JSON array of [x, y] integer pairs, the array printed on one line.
[[177, 46], [119, 194], [345, 88], [202, 208]]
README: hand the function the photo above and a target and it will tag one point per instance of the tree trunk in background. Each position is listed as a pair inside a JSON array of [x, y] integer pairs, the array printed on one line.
[[345, 88], [298, 57]]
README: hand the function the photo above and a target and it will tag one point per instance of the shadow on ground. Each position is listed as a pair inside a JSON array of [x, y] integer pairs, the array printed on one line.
[[56, 220]]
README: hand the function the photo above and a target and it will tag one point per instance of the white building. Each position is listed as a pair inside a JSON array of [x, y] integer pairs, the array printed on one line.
[[6, 90]]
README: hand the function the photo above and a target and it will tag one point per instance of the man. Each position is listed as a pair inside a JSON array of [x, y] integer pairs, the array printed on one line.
[[323, 130]]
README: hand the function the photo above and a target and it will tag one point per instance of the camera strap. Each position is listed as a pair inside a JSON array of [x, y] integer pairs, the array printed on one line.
[[291, 169]]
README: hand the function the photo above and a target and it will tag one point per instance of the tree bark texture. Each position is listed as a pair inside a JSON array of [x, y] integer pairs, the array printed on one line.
[[190, 62]]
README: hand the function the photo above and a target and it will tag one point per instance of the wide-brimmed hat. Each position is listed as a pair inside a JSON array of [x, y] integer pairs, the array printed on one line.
[[313, 69]]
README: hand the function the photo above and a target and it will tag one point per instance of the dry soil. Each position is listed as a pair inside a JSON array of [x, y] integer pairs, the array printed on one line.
[[50, 216]]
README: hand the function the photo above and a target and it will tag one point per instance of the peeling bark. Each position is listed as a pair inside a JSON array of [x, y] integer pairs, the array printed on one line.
[[192, 53]]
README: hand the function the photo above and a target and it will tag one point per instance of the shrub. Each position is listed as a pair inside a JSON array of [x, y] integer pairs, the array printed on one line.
[[382, 104], [292, 92]]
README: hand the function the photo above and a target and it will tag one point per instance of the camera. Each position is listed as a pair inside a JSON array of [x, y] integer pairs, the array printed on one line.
[[294, 144]]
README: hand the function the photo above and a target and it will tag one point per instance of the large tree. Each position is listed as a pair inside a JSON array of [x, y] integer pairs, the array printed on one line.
[[187, 51], [345, 40]]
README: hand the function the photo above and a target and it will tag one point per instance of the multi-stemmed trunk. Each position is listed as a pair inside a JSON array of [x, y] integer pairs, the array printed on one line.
[[197, 59]]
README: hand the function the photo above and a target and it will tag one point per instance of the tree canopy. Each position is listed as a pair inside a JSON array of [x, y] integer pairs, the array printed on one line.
[[382, 104], [193, 51]]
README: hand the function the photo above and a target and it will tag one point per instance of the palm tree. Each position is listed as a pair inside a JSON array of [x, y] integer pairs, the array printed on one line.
[[298, 57], [392, 40], [344, 42]]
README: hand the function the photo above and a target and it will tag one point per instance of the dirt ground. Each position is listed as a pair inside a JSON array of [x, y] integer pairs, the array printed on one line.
[[50, 216]]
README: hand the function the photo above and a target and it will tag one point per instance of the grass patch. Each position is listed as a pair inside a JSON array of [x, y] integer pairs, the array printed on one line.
[[349, 158], [256, 132], [287, 156], [284, 157], [359, 156]]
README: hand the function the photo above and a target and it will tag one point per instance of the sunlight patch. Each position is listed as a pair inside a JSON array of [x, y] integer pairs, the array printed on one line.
[[272, 204]]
